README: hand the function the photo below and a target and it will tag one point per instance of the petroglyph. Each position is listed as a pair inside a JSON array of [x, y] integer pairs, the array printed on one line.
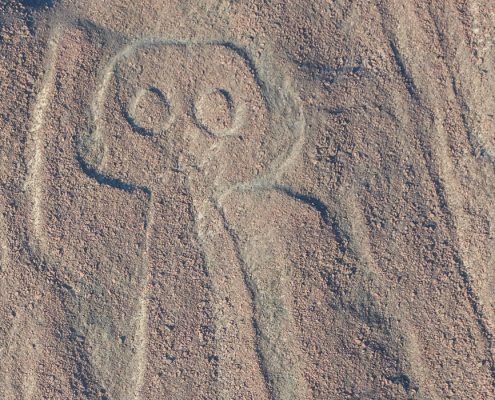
[[217, 112], [149, 112], [247, 200], [150, 120], [146, 57], [223, 114], [35, 143]]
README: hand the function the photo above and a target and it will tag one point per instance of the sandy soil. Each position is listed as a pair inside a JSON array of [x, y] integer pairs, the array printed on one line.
[[247, 199]]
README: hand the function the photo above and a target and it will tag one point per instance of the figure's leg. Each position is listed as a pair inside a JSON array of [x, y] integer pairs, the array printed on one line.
[[269, 279], [239, 370], [267, 275]]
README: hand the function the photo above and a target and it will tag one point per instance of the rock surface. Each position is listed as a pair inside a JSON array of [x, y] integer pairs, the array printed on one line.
[[247, 199]]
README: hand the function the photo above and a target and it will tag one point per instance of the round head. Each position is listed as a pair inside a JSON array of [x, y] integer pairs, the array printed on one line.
[[201, 109]]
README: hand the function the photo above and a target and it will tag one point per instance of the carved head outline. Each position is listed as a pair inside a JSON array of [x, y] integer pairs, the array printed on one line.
[[195, 107]]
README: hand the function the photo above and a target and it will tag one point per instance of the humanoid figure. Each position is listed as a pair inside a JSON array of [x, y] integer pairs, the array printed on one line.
[[199, 118], [203, 135]]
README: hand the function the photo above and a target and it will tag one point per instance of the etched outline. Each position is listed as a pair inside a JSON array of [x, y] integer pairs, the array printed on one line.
[[236, 113], [35, 142], [267, 181], [129, 112]]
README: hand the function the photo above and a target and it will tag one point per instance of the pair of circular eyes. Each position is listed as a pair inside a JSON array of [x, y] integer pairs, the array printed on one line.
[[150, 112]]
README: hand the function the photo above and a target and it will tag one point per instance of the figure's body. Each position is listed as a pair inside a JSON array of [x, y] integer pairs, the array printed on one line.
[[200, 129]]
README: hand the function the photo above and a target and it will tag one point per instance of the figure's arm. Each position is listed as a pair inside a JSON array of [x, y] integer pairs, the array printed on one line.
[[89, 236]]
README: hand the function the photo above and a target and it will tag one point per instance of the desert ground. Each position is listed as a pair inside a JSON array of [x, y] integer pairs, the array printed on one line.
[[247, 199]]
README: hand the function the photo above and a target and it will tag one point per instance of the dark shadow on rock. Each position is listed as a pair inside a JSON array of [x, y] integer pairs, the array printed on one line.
[[38, 3]]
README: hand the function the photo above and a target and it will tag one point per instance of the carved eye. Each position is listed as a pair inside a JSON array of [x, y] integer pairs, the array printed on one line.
[[149, 112], [216, 112]]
